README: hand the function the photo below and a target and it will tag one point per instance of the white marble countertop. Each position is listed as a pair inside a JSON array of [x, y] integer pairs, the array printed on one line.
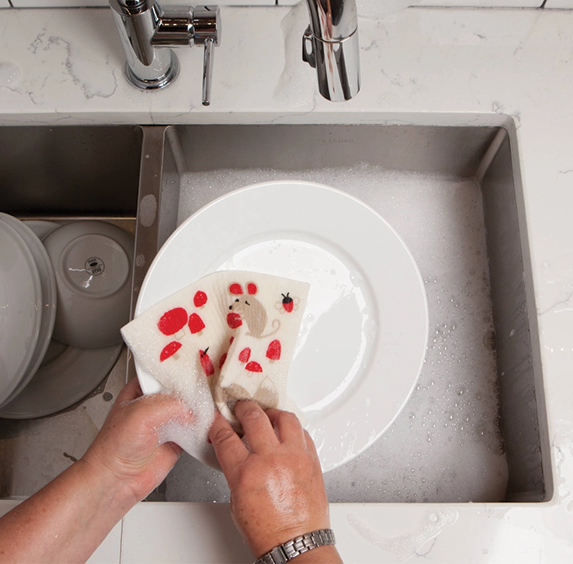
[[439, 66]]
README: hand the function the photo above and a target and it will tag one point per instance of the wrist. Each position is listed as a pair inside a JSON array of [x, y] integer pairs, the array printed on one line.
[[105, 488], [321, 555], [302, 545]]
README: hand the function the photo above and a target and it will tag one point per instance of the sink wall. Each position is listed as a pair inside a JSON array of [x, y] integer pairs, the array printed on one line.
[[70, 171]]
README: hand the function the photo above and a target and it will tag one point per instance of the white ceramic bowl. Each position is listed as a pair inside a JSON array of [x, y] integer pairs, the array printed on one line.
[[92, 262]]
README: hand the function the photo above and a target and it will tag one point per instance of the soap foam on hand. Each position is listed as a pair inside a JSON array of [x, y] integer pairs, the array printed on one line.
[[226, 337]]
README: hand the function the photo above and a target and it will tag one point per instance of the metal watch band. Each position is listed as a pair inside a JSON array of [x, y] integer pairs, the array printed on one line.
[[297, 546]]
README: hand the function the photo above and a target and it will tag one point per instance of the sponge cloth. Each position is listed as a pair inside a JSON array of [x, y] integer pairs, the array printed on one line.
[[226, 337]]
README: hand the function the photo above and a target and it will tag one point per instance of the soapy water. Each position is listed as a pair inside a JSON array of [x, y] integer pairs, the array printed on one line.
[[446, 444]]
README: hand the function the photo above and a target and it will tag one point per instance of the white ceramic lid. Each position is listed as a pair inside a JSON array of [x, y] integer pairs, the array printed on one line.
[[92, 263]]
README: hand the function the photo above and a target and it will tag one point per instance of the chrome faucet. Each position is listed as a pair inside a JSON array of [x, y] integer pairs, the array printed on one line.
[[330, 45], [147, 31]]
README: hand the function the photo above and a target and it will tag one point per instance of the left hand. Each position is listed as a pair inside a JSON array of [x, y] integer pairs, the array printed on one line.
[[129, 449]]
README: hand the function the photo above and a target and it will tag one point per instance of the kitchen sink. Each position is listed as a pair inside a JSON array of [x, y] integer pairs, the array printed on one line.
[[64, 174], [474, 429]]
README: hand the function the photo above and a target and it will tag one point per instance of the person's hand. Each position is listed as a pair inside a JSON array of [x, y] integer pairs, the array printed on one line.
[[277, 489], [130, 451]]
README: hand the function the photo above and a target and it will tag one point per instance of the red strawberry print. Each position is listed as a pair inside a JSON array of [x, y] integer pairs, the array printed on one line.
[[253, 367], [200, 299], [251, 288], [231, 340], [245, 354], [235, 289], [169, 350], [222, 360], [195, 323], [172, 321], [234, 320], [206, 362], [274, 350], [287, 302]]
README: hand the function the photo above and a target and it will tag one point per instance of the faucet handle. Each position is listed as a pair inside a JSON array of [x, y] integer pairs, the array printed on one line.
[[207, 71], [206, 32]]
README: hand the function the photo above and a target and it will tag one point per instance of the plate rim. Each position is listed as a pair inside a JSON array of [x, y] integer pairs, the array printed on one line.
[[35, 279], [48, 296]]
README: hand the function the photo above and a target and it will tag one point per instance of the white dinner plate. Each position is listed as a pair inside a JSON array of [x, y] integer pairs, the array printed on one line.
[[364, 332], [48, 293], [20, 309], [66, 376]]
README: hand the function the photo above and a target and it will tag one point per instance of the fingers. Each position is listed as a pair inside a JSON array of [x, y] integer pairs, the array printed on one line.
[[229, 448], [258, 429], [166, 455], [288, 427], [131, 391], [310, 446]]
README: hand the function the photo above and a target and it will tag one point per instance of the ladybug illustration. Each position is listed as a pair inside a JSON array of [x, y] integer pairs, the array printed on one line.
[[288, 302], [206, 363]]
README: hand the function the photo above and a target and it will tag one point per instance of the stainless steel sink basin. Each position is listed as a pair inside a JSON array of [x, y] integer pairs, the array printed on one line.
[[63, 174], [452, 193]]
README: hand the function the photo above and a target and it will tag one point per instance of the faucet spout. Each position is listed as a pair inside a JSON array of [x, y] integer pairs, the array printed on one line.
[[330, 45], [147, 33]]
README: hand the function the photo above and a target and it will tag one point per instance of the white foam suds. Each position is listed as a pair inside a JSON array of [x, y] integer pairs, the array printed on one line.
[[445, 446]]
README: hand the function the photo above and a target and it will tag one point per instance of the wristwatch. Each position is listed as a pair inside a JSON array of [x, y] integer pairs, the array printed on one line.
[[297, 546]]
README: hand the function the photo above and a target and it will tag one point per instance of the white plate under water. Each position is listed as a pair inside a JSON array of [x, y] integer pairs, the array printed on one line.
[[364, 332]]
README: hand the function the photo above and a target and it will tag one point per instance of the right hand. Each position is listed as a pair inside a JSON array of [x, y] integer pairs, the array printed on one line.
[[274, 474], [129, 449]]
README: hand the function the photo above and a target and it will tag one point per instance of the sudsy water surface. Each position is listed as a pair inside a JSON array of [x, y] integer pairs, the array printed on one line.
[[446, 445]]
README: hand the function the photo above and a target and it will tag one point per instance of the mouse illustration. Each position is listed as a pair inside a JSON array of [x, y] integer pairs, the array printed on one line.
[[252, 311]]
